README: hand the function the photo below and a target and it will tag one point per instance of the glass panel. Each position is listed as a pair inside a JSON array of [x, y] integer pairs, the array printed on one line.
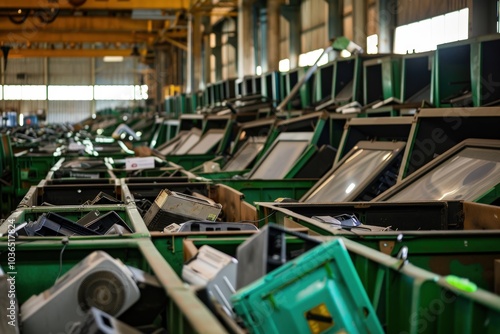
[[280, 160], [71, 93], [465, 176], [354, 171], [25, 92], [116, 92], [425, 35], [244, 156], [187, 144], [206, 143]]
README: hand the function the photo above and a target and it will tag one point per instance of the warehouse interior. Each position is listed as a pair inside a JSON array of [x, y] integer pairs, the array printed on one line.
[[249, 166]]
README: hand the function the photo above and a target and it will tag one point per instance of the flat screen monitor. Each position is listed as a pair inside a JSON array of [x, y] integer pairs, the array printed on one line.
[[373, 83], [322, 89], [248, 89], [239, 88], [282, 155], [292, 78], [191, 139], [246, 154], [344, 80], [229, 89], [209, 140], [465, 172], [170, 146], [269, 85], [257, 85], [355, 172]]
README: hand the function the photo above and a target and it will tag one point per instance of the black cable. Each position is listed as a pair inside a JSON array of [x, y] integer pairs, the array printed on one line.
[[65, 242], [258, 220]]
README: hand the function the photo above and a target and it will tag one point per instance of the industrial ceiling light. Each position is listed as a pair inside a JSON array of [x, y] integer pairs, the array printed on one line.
[[135, 52], [19, 16]]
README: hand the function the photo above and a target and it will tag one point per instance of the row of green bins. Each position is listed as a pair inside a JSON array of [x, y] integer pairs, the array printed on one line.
[[440, 236], [179, 310], [268, 189]]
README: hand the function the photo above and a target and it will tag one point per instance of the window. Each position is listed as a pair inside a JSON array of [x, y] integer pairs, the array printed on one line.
[[70, 93], [114, 92], [284, 65], [25, 92], [141, 92], [372, 44], [425, 35], [310, 58], [73, 93]]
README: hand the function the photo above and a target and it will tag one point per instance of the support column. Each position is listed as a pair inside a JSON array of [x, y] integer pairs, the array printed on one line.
[[207, 51], [273, 35], [291, 13], [335, 13], [482, 17], [194, 64], [387, 16], [245, 38], [359, 22], [217, 52], [261, 15]]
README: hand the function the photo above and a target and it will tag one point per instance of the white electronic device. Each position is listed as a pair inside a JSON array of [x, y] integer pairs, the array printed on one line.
[[215, 271], [97, 281]]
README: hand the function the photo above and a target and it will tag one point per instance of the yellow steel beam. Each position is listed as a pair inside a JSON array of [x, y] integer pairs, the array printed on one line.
[[178, 44], [82, 37], [98, 4], [29, 53], [78, 23]]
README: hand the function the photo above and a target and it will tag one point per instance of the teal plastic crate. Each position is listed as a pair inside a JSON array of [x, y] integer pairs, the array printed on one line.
[[318, 292]]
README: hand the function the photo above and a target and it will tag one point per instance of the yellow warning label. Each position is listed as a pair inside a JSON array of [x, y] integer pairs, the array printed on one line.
[[319, 319]]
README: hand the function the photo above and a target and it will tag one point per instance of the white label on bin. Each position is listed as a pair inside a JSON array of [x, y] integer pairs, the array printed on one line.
[[139, 163]]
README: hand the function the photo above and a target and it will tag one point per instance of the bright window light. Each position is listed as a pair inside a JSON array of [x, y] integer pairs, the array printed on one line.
[[25, 92], [258, 70], [310, 58], [345, 54], [113, 59], [426, 35], [372, 44], [284, 65], [116, 92], [141, 92], [70, 93]]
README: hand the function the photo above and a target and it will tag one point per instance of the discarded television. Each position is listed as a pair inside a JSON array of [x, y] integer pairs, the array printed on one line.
[[469, 171], [365, 172], [282, 155]]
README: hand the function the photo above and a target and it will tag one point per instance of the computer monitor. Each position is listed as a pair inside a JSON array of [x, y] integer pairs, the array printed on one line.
[[282, 155], [470, 171], [360, 172]]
